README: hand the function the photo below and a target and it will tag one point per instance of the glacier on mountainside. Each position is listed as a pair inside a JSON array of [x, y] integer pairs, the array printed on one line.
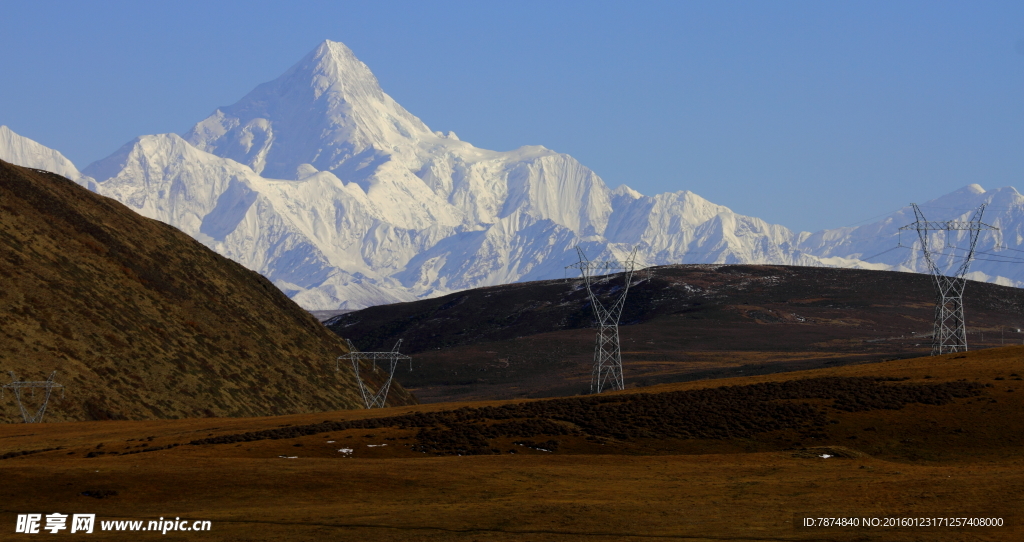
[[324, 184]]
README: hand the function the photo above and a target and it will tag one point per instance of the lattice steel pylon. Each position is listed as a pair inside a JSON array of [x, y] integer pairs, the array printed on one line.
[[48, 385], [373, 398], [950, 332], [607, 354]]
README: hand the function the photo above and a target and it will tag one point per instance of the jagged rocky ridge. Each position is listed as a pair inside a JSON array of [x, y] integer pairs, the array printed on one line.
[[324, 184]]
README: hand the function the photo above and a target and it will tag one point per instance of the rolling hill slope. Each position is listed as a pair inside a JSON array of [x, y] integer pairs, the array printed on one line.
[[141, 321], [536, 339]]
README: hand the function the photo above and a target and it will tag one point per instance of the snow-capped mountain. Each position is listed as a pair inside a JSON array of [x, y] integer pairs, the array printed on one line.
[[324, 184], [999, 253], [23, 151]]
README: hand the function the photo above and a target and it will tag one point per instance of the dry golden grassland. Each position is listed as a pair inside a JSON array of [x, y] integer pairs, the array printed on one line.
[[956, 454]]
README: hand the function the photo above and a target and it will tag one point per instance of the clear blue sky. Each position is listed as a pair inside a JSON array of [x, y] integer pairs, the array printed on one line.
[[807, 114]]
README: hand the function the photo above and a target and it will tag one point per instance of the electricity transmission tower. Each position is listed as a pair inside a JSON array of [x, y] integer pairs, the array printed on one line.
[[373, 398], [950, 332], [607, 355], [16, 386]]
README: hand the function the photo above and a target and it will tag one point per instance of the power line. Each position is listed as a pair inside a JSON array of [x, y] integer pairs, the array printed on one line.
[[1006, 259], [373, 398], [1004, 247], [880, 253], [607, 354], [887, 213], [950, 333], [17, 385]]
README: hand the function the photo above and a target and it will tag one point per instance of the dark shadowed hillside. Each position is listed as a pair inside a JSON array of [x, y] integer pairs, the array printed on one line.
[[141, 321], [687, 322]]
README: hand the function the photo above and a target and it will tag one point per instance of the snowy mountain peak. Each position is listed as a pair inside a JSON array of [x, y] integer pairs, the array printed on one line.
[[22, 151], [623, 190], [327, 111], [969, 191], [335, 64]]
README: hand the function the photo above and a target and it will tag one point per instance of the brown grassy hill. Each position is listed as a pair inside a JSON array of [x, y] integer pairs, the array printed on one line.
[[732, 459], [688, 322], [141, 321]]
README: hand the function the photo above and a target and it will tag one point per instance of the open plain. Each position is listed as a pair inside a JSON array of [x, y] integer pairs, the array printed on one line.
[[730, 459]]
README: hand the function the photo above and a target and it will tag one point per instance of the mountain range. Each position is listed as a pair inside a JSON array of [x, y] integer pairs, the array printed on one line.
[[343, 199]]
